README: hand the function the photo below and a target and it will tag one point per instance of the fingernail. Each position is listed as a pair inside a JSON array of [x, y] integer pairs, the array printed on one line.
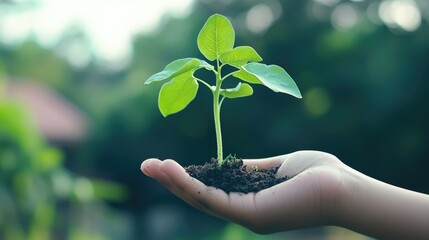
[[145, 168]]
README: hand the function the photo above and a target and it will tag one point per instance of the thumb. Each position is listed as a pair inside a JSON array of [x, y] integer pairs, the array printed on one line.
[[264, 163]]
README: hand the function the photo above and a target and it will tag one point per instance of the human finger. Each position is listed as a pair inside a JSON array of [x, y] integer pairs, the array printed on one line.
[[226, 206], [264, 163], [152, 168]]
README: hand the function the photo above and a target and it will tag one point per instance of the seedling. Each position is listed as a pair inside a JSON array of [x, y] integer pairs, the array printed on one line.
[[216, 42]]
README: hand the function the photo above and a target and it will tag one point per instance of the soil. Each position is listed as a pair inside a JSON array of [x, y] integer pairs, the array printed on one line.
[[234, 177]]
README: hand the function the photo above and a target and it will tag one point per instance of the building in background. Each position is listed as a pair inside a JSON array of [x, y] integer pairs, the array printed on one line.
[[57, 119]]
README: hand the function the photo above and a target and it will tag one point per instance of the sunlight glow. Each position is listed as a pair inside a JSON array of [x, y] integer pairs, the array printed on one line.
[[110, 25], [403, 14], [261, 16], [344, 16]]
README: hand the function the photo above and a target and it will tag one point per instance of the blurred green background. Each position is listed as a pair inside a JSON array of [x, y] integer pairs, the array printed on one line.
[[76, 120]]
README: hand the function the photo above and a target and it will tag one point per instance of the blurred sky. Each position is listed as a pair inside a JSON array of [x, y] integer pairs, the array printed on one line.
[[110, 25]]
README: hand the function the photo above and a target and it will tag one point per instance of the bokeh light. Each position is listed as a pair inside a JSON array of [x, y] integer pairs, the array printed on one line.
[[344, 16], [402, 14]]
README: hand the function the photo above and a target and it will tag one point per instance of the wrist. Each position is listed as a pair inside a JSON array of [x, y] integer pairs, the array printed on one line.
[[347, 192]]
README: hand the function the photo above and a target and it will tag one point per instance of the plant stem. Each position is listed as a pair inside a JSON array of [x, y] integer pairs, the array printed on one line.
[[206, 84], [216, 113]]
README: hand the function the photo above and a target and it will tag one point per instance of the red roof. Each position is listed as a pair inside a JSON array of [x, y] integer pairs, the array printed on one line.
[[56, 117]]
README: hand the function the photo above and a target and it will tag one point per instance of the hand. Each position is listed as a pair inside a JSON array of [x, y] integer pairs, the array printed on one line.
[[308, 199]]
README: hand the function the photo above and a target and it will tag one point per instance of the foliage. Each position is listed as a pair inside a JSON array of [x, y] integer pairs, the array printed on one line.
[[216, 42], [34, 185]]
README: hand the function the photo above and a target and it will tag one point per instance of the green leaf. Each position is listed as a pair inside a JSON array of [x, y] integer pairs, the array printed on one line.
[[204, 64], [239, 56], [178, 67], [245, 76], [176, 94], [273, 77], [216, 37], [241, 90]]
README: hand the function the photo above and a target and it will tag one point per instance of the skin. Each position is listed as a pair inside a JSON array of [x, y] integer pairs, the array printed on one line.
[[323, 191]]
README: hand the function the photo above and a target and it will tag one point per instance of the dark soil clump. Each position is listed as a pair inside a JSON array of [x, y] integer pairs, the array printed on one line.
[[234, 177]]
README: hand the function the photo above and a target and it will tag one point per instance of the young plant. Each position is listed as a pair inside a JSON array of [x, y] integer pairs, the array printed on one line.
[[216, 42]]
